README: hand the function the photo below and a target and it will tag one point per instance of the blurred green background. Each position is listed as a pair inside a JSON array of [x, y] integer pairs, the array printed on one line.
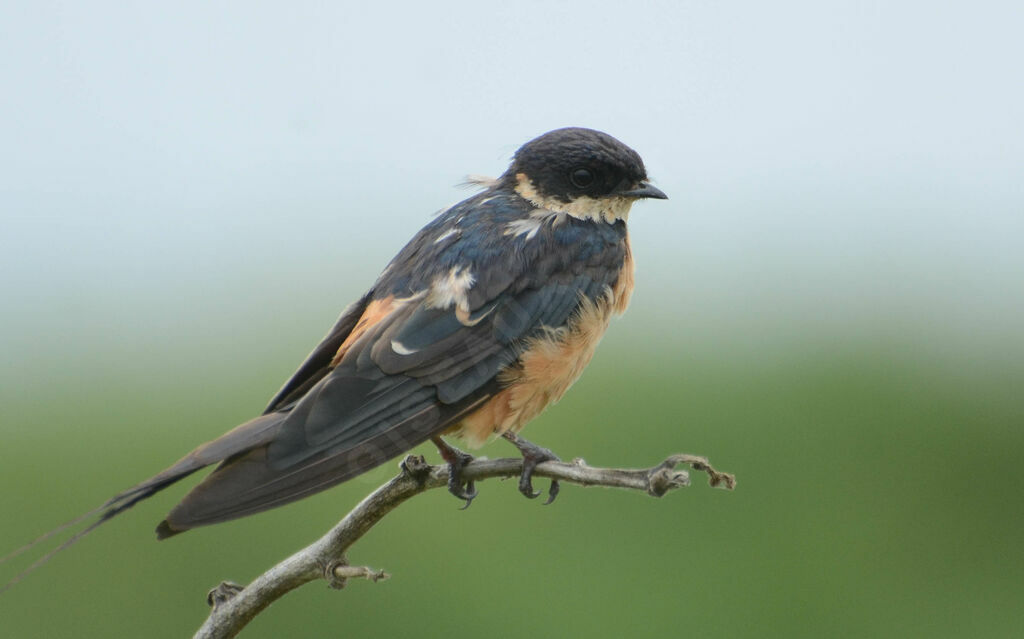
[[831, 306]]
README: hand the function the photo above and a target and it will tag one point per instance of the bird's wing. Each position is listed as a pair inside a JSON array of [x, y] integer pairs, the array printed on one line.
[[317, 364], [411, 368]]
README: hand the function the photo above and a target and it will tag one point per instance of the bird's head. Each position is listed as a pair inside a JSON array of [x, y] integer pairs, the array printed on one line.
[[585, 173]]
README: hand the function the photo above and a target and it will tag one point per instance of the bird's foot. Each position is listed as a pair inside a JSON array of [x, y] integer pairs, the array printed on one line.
[[457, 460], [533, 455]]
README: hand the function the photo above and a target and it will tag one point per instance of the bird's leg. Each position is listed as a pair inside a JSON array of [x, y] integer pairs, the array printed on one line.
[[457, 460], [532, 455]]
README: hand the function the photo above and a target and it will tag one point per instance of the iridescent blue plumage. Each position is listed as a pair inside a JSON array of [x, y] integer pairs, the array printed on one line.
[[475, 237], [487, 315]]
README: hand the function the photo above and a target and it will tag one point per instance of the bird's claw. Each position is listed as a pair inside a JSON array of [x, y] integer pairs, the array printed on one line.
[[532, 456], [467, 494], [457, 460]]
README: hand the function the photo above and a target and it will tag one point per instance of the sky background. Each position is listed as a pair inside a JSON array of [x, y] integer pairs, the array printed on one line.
[[827, 162], [191, 192]]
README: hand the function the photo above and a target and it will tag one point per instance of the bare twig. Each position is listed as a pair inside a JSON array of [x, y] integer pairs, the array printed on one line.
[[233, 606]]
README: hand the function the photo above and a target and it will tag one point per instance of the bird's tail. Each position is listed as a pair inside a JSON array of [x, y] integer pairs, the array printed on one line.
[[250, 434]]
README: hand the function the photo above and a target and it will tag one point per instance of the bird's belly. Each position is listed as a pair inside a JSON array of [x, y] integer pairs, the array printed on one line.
[[547, 368], [549, 365]]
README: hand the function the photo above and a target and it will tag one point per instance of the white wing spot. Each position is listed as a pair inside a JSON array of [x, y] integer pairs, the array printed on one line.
[[399, 348]]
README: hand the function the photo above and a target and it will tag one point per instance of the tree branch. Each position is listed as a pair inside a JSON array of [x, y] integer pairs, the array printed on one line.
[[235, 606]]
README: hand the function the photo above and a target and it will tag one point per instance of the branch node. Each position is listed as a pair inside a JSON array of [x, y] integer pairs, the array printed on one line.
[[716, 479], [416, 467], [663, 478], [338, 573], [222, 594]]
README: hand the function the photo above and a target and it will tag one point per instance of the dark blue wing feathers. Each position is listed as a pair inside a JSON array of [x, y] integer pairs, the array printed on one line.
[[317, 364], [524, 286], [418, 370]]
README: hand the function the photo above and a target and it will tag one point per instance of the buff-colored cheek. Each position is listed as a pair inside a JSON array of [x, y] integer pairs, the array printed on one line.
[[607, 209]]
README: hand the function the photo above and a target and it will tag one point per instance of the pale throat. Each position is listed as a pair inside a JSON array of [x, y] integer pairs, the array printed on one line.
[[606, 209]]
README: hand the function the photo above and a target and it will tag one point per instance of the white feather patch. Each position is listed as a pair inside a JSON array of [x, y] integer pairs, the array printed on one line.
[[526, 226], [451, 289]]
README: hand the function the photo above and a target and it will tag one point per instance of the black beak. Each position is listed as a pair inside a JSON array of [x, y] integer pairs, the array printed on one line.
[[644, 190]]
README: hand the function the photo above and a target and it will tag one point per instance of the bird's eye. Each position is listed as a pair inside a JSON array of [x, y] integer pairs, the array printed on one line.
[[581, 178]]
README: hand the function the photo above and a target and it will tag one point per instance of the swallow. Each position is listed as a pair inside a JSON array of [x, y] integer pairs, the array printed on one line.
[[487, 316]]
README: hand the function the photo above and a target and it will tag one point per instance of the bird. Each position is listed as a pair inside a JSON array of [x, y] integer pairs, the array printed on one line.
[[484, 318]]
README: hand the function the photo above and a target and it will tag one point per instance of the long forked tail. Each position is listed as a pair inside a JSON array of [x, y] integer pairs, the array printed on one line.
[[248, 435], [113, 507]]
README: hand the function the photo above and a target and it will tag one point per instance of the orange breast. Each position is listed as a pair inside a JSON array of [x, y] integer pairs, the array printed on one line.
[[549, 365]]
